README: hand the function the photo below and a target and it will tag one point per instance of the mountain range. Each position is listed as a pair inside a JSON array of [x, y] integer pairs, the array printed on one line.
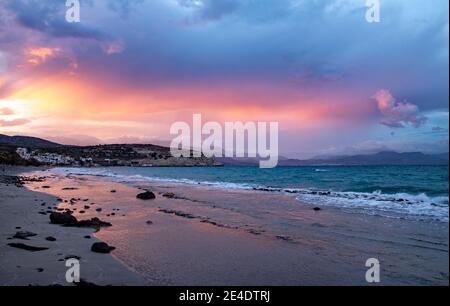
[[380, 158]]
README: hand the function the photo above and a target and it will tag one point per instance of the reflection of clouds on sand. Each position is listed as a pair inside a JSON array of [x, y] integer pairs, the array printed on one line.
[[201, 234]]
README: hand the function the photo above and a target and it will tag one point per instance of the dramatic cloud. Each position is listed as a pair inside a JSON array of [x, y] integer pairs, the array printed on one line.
[[210, 9], [15, 122], [36, 56], [47, 17], [310, 65], [397, 114], [6, 111]]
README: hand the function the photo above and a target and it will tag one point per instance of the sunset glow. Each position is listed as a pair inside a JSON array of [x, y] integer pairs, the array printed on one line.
[[135, 73]]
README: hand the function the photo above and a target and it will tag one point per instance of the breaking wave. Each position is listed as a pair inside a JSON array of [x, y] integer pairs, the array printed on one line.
[[400, 205]]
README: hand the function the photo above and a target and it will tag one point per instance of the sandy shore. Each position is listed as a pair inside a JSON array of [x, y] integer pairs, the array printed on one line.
[[20, 209], [205, 236]]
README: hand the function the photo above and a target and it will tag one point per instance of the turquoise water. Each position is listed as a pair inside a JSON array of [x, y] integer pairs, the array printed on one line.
[[432, 180], [422, 191]]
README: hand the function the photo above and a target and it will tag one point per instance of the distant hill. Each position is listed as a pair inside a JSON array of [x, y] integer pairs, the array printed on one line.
[[26, 141], [160, 153], [381, 158], [40, 151]]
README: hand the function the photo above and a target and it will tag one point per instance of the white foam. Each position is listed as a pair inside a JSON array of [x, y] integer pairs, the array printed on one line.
[[420, 207]]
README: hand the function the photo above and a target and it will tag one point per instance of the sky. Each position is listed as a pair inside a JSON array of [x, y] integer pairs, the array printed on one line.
[[337, 84]]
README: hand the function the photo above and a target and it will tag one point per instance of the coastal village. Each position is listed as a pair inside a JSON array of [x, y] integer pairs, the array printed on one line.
[[111, 155]]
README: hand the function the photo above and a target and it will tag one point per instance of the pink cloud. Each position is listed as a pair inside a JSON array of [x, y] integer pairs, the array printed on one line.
[[15, 122], [397, 114], [6, 111]]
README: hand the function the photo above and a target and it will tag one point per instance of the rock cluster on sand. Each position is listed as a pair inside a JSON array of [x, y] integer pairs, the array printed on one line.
[[62, 218], [101, 247], [94, 222], [169, 195], [67, 219], [148, 195]]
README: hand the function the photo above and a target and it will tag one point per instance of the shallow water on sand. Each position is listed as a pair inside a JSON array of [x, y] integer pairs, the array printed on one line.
[[412, 192], [210, 236]]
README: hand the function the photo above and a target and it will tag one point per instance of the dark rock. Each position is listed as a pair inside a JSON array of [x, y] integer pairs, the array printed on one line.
[[317, 209], [87, 237], [101, 247], [70, 188], [148, 195], [27, 247], [45, 187], [24, 235], [82, 211], [284, 238], [40, 270], [18, 227], [86, 207], [113, 191], [62, 218], [98, 209], [149, 222], [169, 195], [50, 238], [94, 222], [72, 257]]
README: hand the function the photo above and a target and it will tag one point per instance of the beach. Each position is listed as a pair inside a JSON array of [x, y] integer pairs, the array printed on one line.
[[199, 235]]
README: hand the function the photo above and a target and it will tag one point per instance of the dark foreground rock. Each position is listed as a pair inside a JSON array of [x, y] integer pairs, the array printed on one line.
[[24, 235], [101, 247], [169, 195], [67, 219], [27, 247], [62, 218], [94, 222], [148, 195]]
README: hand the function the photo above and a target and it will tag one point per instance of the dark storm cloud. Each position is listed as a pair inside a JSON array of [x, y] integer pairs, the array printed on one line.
[[49, 17]]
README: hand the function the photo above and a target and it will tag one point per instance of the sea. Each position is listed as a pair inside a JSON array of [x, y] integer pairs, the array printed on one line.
[[413, 192]]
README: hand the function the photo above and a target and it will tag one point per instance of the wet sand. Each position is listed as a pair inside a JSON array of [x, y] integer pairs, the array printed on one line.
[[20, 209], [206, 236]]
